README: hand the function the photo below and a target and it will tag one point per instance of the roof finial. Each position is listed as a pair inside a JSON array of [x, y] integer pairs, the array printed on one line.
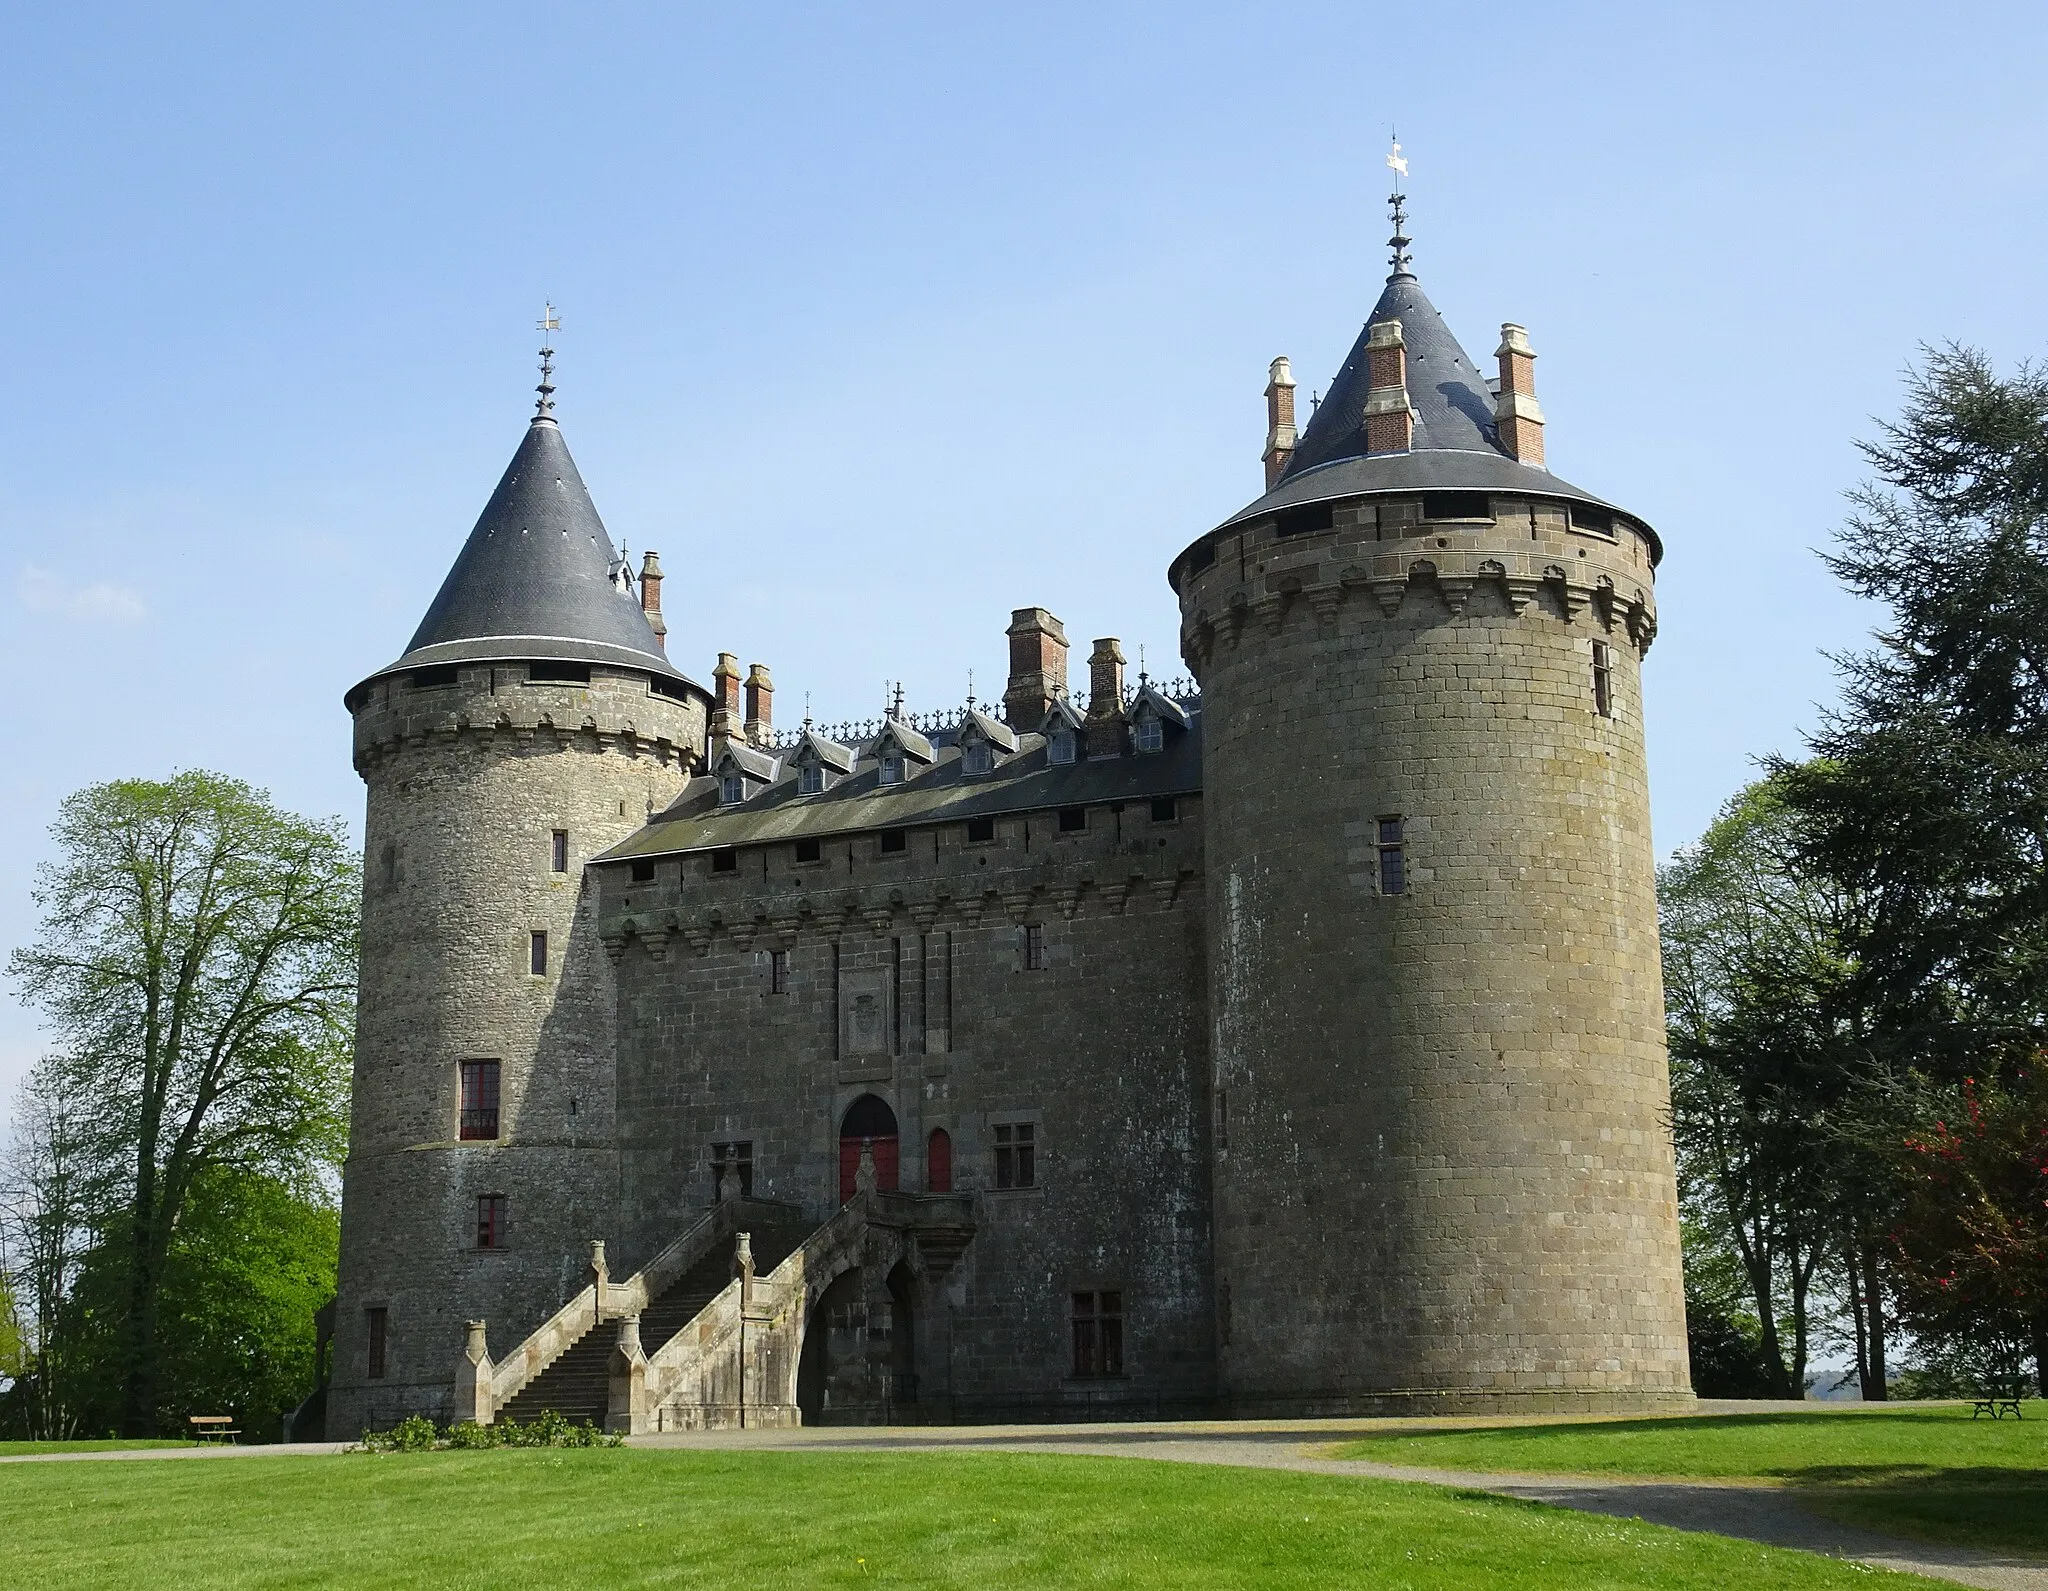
[[550, 323], [970, 690], [896, 711], [1398, 201], [807, 712], [1144, 679]]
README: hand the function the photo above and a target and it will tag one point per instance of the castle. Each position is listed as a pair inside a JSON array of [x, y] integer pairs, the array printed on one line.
[[1286, 1040]]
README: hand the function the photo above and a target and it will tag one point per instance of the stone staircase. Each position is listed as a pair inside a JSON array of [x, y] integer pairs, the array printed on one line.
[[577, 1385]]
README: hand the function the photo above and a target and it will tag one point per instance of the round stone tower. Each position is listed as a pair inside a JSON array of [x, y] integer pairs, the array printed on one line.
[[1443, 1175], [533, 722]]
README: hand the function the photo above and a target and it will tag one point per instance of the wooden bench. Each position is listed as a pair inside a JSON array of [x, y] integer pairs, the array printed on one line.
[[1997, 1406], [213, 1428]]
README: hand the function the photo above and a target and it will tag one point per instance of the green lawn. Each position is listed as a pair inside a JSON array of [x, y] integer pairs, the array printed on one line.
[[639, 1518], [107, 1445], [1931, 1472]]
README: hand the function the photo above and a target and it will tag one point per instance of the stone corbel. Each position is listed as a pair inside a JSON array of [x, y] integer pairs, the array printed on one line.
[[1521, 591], [743, 934], [1017, 902], [1234, 616], [1388, 592], [1456, 590], [698, 937], [1116, 895], [1325, 601], [1068, 900]]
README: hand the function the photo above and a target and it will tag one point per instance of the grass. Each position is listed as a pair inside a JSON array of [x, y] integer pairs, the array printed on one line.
[[106, 1445], [1928, 1472], [653, 1518]]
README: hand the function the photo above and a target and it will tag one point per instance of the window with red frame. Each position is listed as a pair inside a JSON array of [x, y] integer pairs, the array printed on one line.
[[490, 1220], [479, 1099]]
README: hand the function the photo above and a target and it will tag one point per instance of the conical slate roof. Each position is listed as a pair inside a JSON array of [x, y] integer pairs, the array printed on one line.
[[1453, 409], [536, 577], [1455, 446]]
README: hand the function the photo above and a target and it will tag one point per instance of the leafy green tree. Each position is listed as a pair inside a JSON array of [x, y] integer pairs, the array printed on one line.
[[197, 957], [1768, 1056]]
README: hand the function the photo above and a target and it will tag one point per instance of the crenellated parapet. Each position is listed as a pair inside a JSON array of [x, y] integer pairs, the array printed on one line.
[[500, 708], [1521, 558]]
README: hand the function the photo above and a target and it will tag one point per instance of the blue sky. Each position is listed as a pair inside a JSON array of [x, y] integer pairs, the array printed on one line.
[[883, 320]]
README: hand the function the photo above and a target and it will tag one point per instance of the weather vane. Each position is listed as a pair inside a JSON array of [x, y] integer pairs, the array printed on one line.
[[548, 325], [1399, 242]]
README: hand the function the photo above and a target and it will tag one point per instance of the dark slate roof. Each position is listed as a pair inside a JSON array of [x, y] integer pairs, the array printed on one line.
[[758, 765], [1453, 409], [1027, 782], [1455, 448], [535, 578]]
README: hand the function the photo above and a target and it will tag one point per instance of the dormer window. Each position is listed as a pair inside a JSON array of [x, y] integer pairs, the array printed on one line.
[[977, 757], [1145, 734], [733, 787], [891, 767], [810, 779], [1060, 746]]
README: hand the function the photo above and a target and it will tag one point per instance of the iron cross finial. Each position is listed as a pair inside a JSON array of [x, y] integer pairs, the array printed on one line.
[[547, 326]]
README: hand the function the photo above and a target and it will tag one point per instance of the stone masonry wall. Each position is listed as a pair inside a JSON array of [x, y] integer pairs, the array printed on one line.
[[467, 783], [1443, 1175], [1103, 1051]]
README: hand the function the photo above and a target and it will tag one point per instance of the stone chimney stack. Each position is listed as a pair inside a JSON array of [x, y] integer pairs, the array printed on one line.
[[1389, 420], [650, 596], [1515, 411], [1038, 668], [725, 696], [1105, 723], [1280, 433], [760, 705]]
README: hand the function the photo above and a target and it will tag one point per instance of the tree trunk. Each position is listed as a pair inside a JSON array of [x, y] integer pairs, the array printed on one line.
[[1852, 1264], [2041, 1353], [1877, 1384]]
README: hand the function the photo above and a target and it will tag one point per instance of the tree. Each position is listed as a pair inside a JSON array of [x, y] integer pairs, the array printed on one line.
[[1973, 1244], [1769, 1057], [197, 956]]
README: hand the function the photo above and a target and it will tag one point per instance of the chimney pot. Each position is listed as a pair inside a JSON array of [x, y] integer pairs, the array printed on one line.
[[1105, 723], [1280, 432], [1517, 416], [725, 693], [1038, 668], [1389, 417], [760, 724]]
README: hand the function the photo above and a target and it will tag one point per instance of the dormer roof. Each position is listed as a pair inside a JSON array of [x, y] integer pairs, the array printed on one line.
[[897, 731], [1062, 712], [757, 765], [1165, 708], [538, 577], [814, 747], [993, 730]]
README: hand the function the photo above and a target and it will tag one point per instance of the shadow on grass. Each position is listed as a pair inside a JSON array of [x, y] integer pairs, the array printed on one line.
[[1977, 1507]]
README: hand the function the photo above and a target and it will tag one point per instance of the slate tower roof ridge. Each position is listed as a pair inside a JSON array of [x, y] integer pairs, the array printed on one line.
[[537, 577]]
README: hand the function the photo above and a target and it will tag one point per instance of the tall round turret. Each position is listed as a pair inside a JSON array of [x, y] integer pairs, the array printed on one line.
[[1443, 1171], [533, 722]]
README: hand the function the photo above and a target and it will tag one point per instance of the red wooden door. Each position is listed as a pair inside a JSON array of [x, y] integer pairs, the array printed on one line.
[[886, 1157], [938, 1162]]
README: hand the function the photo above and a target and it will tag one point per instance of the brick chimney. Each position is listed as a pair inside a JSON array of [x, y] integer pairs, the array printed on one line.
[[1105, 722], [1279, 419], [1515, 411], [760, 705], [1389, 421], [1038, 667], [725, 696], [650, 596]]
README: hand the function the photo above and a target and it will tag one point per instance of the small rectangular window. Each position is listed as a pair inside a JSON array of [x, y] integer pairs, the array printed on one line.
[[736, 1160], [1603, 679], [891, 769], [1146, 734], [725, 861], [977, 758], [1456, 505], [1073, 819], [980, 831], [1593, 521], [377, 1320], [895, 840], [1393, 861], [479, 1100], [778, 972], [1059, 747], [1016, 1145], [1034, 947], [808, 850], [537, 953], [1164, 809], [675, 690], [1303, 521], [810, 779], [1098, 1334], [490, 1220], [426, 679], [558, 673], [732, 789], [643, 872], [561, 851]]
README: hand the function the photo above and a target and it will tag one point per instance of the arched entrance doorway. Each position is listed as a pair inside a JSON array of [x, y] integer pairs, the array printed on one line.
[[868, 1120]]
